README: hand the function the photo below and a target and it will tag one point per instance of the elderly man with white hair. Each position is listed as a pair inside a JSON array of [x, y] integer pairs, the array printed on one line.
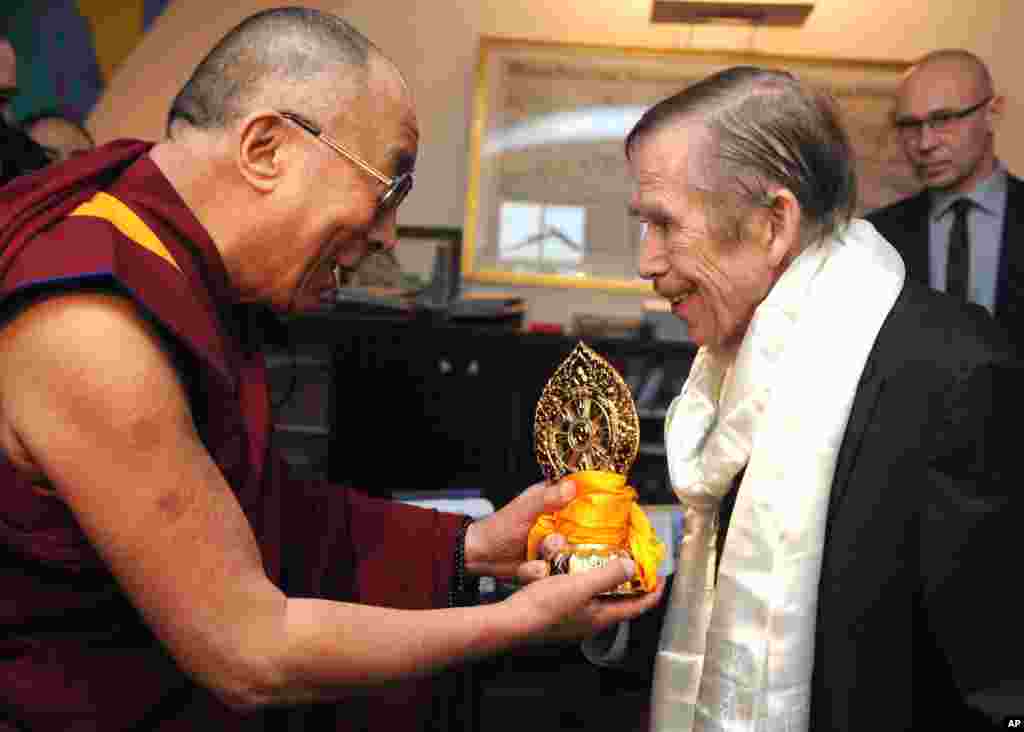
[[837, 448]]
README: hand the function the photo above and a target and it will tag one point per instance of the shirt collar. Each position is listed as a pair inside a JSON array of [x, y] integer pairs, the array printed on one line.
[[987, 195]]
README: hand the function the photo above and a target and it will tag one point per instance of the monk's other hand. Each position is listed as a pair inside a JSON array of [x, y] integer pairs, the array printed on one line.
[[496, 545], [570, 606]]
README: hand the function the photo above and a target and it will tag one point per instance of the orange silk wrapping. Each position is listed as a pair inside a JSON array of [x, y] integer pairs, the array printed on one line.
[[604, 511]]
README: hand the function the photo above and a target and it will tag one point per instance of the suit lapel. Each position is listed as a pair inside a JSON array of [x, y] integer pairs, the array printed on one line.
[[1010, 283], [868, 390], [864, 401], [917, 254]]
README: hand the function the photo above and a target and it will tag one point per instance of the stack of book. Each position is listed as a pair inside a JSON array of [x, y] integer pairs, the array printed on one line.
[[477, 308], [483, 308]]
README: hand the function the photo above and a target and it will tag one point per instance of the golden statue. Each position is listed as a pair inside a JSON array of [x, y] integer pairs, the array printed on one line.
[[586, 427]]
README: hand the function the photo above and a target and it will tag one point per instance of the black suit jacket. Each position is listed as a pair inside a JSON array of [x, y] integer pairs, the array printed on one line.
[[915, 626], [905, 225]]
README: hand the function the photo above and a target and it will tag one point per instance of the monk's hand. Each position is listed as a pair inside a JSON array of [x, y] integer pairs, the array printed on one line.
[[568, 607], [496, 545]]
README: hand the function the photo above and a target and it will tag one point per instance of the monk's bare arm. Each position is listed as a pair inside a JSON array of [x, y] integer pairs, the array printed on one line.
[[93, 402], [89, 398]]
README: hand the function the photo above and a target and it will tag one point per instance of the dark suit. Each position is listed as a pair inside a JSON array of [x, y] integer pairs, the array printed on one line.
[[915, 625], [905, 225]]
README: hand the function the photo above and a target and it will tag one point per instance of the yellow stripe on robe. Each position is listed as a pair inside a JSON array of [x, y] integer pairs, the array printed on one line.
[[107, 207]]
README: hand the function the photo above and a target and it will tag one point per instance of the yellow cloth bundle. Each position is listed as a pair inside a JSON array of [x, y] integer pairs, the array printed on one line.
[[604, 511]]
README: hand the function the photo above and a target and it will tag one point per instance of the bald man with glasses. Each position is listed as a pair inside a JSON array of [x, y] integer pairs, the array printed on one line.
[[960, 233], [161, 570]]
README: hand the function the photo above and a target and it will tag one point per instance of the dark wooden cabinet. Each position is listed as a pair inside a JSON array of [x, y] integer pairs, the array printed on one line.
[[301, 396], [431, 406], [553, 688], [421, 406], [436, 408]]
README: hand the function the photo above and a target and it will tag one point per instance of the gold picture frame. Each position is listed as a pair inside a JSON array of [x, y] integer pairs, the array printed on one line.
[[547, 193]]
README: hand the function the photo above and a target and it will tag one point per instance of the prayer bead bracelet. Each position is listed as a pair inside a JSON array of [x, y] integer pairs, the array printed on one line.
[[457, 590]]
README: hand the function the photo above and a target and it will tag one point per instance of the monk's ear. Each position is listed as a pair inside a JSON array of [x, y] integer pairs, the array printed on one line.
[[996, 109], [260, 158]]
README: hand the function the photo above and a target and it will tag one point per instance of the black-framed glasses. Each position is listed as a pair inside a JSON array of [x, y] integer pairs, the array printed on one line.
[[396, 189], [939, 121]]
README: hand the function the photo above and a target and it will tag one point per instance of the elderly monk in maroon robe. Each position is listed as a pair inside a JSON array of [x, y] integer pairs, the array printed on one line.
[[144, 518]]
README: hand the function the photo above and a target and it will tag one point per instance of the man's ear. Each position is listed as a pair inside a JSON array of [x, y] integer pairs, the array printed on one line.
[[260, 160], [786, 217], [995, 110]]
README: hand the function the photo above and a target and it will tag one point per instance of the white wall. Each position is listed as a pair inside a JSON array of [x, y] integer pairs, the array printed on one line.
[[434, 42]]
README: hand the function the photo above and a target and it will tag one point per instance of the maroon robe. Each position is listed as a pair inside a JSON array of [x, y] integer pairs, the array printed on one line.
[[74, 653]]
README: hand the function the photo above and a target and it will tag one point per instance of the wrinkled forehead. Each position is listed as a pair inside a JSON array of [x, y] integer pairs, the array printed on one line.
[[393, 99], [387, 114], [678, 153]]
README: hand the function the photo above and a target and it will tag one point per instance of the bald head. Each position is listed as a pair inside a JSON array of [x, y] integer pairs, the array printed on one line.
[[954, 61], [283, 58], [8, 74], [946, 111], [952, 67], [8, 64], [59, 136]]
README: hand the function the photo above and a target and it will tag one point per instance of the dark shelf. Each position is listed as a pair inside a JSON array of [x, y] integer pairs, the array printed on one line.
[[434, 405], [392, 404]]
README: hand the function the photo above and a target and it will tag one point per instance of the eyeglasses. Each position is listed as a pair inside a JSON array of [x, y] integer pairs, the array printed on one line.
[[939, 121], [7, 96], [396, 189]]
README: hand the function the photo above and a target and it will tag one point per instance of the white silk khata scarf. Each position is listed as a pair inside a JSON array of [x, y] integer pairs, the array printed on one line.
[[737, 654]]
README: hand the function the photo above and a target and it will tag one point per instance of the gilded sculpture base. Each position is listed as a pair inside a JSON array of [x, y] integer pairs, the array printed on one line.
[[583, 557]]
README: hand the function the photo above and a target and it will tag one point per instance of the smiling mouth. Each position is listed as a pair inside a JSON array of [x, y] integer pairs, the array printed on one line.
[[681, 297]]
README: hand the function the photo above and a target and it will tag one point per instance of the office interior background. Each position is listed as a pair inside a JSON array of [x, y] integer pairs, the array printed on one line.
[[145, 49]]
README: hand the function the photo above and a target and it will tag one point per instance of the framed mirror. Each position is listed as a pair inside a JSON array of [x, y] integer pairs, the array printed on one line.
[[548, 189], [429, 259]]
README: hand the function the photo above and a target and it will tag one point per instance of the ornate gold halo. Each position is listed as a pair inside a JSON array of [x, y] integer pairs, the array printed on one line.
[[585, 418]]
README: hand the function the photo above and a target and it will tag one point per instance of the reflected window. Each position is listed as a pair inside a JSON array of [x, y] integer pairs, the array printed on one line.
[[541, 237]]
